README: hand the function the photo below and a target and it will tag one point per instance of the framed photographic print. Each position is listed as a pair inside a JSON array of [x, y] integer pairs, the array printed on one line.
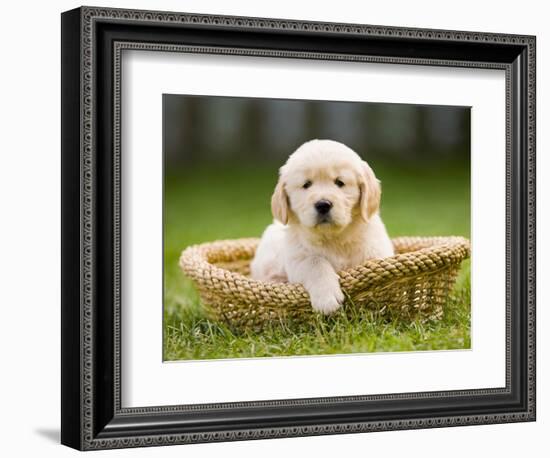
[[276, 228]]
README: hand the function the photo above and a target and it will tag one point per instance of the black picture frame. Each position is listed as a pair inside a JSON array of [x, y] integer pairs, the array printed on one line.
[[92, 40]]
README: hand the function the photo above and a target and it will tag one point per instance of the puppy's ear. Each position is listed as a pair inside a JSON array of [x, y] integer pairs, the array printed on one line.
[[371, 190], [279, 203]]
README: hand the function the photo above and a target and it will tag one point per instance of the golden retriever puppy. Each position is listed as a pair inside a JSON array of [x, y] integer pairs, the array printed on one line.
[[325, 207]]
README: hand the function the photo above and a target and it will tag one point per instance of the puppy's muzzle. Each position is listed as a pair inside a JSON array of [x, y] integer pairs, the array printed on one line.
[[323, 206]]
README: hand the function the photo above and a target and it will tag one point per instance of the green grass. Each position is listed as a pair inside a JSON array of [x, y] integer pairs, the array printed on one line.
[[206, 204]]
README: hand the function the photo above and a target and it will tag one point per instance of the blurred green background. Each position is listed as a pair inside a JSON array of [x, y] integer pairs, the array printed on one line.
[[222, 156]]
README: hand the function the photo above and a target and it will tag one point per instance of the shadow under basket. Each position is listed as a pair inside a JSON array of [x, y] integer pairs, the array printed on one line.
[[412, 285]]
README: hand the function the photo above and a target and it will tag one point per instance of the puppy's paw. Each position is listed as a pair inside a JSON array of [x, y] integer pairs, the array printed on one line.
[[327, 299]]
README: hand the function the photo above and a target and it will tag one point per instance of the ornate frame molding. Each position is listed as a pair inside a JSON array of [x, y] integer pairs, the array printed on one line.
[[89, 434]]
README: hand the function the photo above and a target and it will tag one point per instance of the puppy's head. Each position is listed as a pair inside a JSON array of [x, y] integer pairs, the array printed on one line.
[[325, 186]]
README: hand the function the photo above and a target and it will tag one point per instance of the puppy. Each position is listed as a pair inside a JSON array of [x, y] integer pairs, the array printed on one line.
[[325, 207]]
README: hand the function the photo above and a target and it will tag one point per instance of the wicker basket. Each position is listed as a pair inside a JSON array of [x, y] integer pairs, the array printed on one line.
[[413, 284]]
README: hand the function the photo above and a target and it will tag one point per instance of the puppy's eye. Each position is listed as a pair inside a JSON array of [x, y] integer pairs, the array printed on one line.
[[339, 183], [307, 184]]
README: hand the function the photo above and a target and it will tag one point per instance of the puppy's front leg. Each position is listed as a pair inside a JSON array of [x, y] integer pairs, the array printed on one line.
[[320, 280]]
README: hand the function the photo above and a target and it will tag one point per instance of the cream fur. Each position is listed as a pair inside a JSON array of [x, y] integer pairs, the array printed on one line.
[[304, 247]]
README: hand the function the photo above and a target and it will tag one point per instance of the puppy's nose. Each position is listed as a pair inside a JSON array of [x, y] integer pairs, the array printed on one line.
[[323, 206]]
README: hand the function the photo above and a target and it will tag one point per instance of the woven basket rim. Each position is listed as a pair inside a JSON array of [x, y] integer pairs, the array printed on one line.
[[437, 253]]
